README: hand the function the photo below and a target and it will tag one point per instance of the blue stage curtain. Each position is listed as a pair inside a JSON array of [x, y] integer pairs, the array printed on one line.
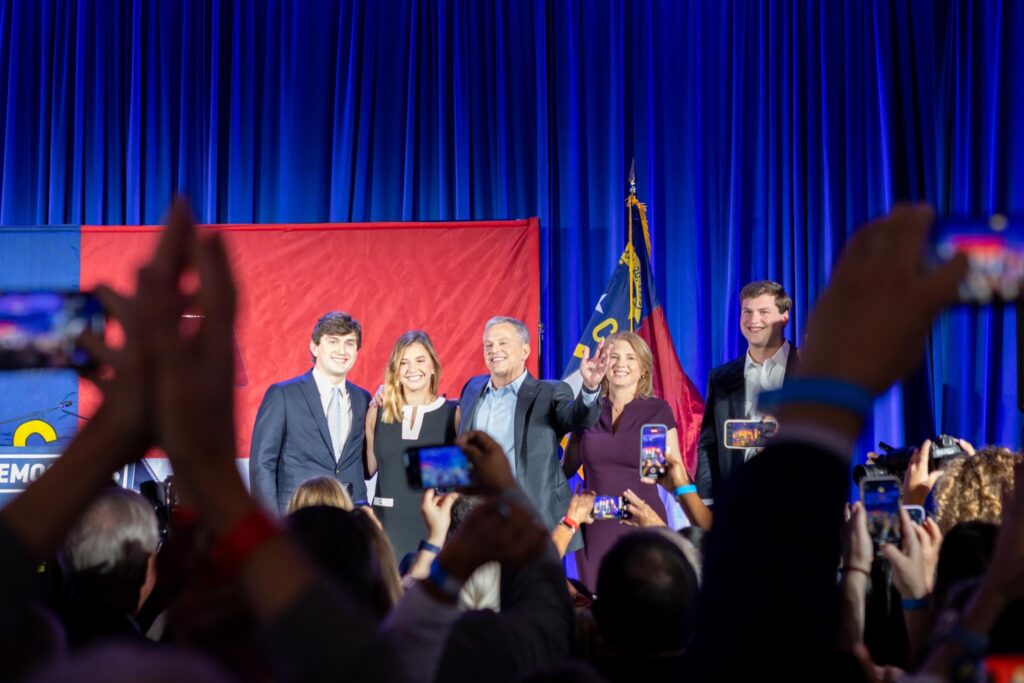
[[763, 133]]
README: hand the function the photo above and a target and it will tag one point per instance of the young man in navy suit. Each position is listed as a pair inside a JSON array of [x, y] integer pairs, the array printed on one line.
[[312, 425], [733, 388]]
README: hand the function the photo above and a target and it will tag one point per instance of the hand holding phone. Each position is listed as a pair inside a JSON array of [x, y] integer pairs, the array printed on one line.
[[653, 446], [994, 247]]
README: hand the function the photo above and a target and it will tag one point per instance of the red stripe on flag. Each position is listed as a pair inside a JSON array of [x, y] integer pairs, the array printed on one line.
[[673, 385]]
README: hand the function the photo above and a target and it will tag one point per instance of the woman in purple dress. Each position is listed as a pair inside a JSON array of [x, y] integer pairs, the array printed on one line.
[[610, 450]]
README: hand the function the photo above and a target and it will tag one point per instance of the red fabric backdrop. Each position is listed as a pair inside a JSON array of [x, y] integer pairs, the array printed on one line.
[[444, 278]]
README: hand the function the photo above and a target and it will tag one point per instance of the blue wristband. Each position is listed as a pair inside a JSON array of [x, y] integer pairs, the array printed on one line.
[[684, 489], [429, 547], [444, 583], [832, 392], [914, 604]]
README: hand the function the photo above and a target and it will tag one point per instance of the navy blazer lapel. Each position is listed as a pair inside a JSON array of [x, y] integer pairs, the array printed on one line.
[[792, 362], [524, 399], [316, 407], [472, 397], [733, 386]]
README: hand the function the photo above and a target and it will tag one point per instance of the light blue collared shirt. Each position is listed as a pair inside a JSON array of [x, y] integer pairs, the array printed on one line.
[[496, 416]]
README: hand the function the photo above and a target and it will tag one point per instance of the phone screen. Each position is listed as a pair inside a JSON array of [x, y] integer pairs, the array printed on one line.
[[653, 446], [916, 513], [881, 498], [994, 246], [610, 507], [41, 329], [437, 467], [745, 433]]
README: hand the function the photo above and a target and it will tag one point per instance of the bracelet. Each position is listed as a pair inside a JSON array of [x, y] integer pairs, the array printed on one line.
[[444, 583], [832, 392], [684, 489], [238, 544], [429, 547], [570, 522], [914, 604], [860, 570]]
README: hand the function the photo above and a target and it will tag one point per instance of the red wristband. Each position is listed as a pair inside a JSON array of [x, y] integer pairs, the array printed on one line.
[[570, 523], [237, 545]]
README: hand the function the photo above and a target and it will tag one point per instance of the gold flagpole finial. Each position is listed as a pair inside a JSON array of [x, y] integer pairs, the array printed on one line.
[[632, 177]]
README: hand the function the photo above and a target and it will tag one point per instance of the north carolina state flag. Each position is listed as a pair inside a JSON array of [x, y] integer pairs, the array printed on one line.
[[631, 303]]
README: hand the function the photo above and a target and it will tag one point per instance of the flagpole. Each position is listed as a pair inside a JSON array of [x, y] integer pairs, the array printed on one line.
[[629, 238]]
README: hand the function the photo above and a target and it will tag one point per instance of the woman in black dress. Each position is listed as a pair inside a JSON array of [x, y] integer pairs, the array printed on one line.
[[409, 414]]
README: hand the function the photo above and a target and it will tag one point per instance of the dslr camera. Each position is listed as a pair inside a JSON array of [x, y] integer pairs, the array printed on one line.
[[895, 461]]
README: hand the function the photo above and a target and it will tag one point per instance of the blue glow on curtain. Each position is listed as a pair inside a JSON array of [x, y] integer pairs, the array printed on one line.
[[763, 133]]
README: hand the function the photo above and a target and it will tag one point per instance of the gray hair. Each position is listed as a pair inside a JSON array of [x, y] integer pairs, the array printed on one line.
[[111, 531], [522, 331]]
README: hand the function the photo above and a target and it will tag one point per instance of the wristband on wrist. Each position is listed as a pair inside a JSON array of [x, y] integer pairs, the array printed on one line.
[[430, 547], [446, 584], [859, 570], [831, 392], [240, 542], [570, 522], [913, 604], [684, 489]]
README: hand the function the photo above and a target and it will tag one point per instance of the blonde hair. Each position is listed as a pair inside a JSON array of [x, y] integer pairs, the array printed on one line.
[[386, 564], [394, 397], [645, 387], [320, 491], [973, 487]]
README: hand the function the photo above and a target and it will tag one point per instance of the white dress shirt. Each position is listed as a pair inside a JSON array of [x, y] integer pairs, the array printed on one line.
[[758, 377], [766, 376], [325, 386]]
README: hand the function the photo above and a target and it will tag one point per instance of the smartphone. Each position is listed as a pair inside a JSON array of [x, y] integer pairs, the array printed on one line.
[[653, 446], [916, 513], [41, 329], [994, 246], [748, 433], [881, 498], [443, 466], [610, 507]]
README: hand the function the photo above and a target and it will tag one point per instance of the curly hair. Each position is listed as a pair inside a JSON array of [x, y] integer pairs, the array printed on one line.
[[973, 488]]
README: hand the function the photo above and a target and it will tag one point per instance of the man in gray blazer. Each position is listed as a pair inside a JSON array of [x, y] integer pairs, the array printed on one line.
[[527, 417], [312, 425]]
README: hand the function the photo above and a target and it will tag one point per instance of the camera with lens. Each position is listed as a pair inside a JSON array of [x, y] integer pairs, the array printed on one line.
[[895, 461], [163, 496]]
